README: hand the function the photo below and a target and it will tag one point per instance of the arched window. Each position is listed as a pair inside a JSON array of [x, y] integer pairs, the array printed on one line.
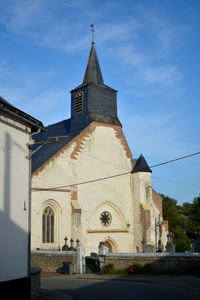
[[48, 225], [79, 102]]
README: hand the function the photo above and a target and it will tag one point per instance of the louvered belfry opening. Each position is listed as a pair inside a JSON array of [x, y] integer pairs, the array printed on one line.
[[79, 102]]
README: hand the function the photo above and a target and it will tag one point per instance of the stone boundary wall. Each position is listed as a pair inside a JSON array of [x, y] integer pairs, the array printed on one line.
[[159, 261], [52, 261]]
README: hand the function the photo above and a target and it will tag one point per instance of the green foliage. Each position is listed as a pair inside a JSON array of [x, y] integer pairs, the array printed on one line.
[[195, 211], [182, 245], [150, 268], [110, 269], [170, 211], [184, 221]]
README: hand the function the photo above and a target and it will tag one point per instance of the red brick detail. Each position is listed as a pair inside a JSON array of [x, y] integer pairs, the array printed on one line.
[[145, 217], [74, 195], [81, 138], [120, 136], [76, 210], [157, 200], [165, 225]]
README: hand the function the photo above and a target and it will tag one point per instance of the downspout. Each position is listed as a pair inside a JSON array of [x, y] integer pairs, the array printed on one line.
[[29, 200]]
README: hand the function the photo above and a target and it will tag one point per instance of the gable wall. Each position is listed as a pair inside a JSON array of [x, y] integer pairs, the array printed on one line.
[[99, 151]]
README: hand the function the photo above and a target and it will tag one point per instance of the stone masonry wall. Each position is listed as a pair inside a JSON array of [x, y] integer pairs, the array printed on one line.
[[160, 261], [52, 261]]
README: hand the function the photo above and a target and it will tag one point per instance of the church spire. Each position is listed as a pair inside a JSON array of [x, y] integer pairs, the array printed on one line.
[[93, 71], [93, 100]]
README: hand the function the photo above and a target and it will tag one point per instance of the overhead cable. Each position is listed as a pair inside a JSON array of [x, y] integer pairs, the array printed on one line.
[[117, 175]]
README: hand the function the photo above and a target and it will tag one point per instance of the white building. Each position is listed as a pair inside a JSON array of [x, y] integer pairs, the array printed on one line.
[[87, 185], [15, 130]]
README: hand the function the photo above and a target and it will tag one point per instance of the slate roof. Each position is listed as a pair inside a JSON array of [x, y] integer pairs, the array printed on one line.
[[61, 130], [4, 101], [141, 165], [93, 71], [20, 115], [93, 75]]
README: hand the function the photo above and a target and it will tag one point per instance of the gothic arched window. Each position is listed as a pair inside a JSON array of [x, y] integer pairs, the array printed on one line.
[[48, 225], [79, 102]]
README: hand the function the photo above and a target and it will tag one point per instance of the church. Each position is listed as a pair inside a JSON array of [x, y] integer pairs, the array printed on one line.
[[86, 186]]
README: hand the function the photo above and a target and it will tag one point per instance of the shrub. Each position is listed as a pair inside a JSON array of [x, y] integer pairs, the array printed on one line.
[[109, 269], [133, 269]]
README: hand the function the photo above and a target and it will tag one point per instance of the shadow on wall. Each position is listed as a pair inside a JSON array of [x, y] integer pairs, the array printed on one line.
[[14, 240]]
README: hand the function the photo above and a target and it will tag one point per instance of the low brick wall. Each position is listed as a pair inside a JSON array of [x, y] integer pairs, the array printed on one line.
[[159, 261], [52, 261]]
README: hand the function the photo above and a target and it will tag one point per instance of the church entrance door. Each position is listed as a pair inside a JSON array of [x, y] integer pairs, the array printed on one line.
[[108, 244]]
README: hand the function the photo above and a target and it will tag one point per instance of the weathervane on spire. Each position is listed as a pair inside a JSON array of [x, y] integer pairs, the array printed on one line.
[[92, 26]]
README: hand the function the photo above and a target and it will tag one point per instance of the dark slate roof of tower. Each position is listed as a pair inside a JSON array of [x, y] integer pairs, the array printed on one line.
[[61, 130], [141, 165], [93, 71]]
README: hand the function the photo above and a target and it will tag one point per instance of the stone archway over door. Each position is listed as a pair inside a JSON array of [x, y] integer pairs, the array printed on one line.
[[108, 244]]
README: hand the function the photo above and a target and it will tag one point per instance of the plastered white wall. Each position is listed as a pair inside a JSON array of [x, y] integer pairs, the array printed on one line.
[[14, 193], [100, 151]]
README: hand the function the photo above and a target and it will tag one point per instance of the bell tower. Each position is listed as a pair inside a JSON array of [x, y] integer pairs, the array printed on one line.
[[93, 100]]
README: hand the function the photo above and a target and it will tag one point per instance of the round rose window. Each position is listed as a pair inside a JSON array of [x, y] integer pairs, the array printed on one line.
[[105, 218]]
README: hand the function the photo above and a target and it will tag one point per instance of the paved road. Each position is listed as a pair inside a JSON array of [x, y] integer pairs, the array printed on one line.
[[141, 288]]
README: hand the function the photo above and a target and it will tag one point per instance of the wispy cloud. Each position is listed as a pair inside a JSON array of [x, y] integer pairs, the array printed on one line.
[[21, 16], [156, 136], [145, 73]]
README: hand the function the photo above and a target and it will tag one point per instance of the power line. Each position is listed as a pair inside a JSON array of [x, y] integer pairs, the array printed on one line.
[[173, 160], [117, 175], [84, 182], [176, 182]]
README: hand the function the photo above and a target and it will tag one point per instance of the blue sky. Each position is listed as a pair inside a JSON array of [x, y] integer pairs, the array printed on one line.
[[148, 51]]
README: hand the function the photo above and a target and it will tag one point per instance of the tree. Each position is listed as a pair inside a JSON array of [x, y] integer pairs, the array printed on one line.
[[170, 211], [181, 240], [184, 221], [194, 218]]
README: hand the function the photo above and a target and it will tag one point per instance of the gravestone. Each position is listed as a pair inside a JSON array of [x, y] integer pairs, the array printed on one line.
[[103, 250], [65, 247], [71, 247], [170, 247], [147, 248]]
